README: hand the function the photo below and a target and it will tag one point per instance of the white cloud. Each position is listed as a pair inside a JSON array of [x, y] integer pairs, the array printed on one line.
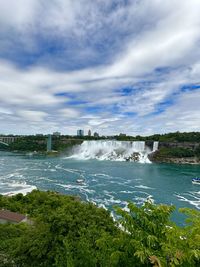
[[146, 35], [5, 111], [18, 13], [100, 121], [32, 115], [69, 113]]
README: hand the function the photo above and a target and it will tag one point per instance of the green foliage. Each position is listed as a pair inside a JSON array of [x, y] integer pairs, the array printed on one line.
[[72, 233], [149, 238], [197, 151], [176, 137], [29, 143], [64, 233], [164, 153], [39, 143], [177, 152], [59, 144], [168, 137]]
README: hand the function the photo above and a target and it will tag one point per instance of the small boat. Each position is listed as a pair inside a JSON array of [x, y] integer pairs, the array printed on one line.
[[196, 180], [80, 181]]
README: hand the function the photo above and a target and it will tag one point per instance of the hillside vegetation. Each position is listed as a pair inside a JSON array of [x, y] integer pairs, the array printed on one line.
[[67, 232], [39, 143], [176, 152], [168, 137]]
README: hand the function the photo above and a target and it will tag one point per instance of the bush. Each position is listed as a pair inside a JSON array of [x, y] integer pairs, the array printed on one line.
[[69, 232]]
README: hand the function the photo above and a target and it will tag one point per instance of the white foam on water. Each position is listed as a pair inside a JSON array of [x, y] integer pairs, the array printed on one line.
[[23, 188], [111, 150], [102, 206], [111, 198], [112, 201], [10, 175], [52, 170], [126, 209], [101, 185], [36, 169], [82, 188], [44, 178], [102, 174], [71, 186], [74, 171], [194, 198], [16, 184], [141, 200], [126, 192], [90, 191], [107, 201]]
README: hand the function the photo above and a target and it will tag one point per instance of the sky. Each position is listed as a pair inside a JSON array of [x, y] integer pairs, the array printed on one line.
[[112, 66]]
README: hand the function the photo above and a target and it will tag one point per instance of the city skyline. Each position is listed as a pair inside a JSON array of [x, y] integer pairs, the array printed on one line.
[[121, 66]]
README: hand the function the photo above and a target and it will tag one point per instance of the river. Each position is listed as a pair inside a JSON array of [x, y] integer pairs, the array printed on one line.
[[107, 183]]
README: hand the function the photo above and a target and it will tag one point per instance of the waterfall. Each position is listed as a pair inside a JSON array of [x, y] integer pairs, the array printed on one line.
[[112, 150], [155, 145]]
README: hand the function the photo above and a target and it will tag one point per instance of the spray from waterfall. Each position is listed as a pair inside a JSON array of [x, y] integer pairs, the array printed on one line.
[[112, 150]]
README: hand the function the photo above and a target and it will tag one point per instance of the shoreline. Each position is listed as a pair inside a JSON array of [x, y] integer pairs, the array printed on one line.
[[156, 158]]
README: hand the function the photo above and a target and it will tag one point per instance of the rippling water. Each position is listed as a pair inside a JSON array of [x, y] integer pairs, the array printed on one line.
[[107, 183]]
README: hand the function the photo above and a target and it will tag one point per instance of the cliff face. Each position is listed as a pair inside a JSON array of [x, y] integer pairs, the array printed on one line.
[[154, 157], [177, 152], [187, 145]]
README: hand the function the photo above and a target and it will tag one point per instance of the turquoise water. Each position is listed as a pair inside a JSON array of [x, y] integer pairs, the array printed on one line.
[[107, 183]]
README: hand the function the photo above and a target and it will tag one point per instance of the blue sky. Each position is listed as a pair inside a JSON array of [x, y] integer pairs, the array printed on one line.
[[110, 66]]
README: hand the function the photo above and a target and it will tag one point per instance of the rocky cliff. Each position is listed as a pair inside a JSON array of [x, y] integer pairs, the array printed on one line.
[[177, 152]]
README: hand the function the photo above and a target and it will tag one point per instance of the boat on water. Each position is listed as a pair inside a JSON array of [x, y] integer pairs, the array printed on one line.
[[80, 181], [196, 180]]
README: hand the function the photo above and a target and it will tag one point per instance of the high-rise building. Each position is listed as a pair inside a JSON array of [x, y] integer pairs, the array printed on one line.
[[89, 133], [80, 133]]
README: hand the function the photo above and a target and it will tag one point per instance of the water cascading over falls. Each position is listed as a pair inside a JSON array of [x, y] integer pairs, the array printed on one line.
[[112, 150], [155, 145]]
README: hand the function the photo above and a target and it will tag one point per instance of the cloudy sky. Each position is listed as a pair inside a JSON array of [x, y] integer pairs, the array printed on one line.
[[112, 66]]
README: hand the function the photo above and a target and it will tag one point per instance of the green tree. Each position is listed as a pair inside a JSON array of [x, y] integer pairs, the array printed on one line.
[[69, 232]]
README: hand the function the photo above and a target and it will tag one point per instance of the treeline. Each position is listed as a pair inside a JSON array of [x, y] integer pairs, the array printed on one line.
[[39, 143], [168, 137], [61, 143], [66, 232]]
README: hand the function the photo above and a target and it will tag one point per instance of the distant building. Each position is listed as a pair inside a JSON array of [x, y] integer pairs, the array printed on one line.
[[56, 133], [7, 216], [96, 134], [39, 134], [80, 133], [89, 133], [122, 135]]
